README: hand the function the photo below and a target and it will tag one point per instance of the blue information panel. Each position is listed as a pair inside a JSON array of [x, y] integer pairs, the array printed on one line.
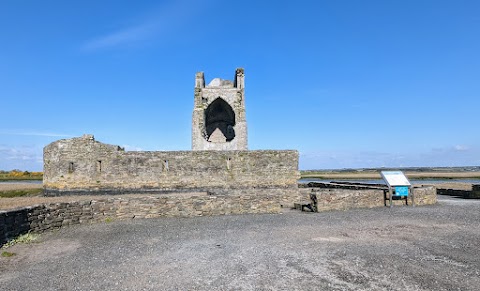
[[401, 191]]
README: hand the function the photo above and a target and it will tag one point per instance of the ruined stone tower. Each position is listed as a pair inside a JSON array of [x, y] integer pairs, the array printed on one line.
[[218, 121]]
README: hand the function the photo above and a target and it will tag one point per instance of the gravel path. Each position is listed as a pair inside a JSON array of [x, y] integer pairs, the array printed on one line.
[[403, 248]]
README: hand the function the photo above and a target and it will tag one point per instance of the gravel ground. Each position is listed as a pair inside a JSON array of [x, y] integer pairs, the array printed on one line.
[[404, 248]]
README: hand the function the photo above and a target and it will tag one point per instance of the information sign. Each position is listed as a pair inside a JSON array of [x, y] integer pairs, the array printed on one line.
[[395, 178], [397, 182], [401, 190]]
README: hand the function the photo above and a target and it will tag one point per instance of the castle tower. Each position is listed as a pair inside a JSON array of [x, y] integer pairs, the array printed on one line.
[[218, 121]]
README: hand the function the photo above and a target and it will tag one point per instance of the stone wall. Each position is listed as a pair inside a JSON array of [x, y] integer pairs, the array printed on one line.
[[342, 199], [53, 215], [83, 165], [13, 223], [106, 208], [474, 193]]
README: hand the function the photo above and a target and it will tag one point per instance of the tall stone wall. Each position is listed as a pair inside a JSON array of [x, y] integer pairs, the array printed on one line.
[[83, 165]]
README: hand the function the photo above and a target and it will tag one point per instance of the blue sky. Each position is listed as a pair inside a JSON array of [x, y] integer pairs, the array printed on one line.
[[350, 84]]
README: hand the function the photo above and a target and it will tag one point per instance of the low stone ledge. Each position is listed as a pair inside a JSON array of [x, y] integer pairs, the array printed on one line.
[[47, 216], [38, 218], [343, 199], [474, 193]]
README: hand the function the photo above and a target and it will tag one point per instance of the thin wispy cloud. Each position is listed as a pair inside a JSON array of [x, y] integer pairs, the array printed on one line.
[[45, 134], [123, 37], [154, 26]]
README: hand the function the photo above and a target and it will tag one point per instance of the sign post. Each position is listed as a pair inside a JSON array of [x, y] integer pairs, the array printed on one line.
[[398, 185]]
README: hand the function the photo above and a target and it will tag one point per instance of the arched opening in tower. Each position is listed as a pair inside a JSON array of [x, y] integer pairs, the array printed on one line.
[[219, 114]]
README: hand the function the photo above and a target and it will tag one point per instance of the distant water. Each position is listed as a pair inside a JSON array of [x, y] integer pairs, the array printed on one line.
[[380, 181], [22, 182]]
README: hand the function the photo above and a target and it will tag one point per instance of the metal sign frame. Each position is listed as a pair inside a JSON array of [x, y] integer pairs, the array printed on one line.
[[397, 180]]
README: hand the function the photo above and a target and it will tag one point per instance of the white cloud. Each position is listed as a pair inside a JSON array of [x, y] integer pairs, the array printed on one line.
[[461, 148], [23, 153], [23, 158]]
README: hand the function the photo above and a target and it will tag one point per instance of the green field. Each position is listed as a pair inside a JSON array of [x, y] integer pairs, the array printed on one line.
[[20, 193]]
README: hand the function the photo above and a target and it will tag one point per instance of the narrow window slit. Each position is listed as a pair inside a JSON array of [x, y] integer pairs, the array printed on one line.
[[229, 163], [99, 166], [71, 167]]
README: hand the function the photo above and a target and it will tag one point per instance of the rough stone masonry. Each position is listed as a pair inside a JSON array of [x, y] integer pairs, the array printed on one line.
[[219, 121], [219, 163]]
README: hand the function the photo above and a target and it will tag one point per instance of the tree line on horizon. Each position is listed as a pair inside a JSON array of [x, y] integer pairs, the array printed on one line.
[[18, 174]]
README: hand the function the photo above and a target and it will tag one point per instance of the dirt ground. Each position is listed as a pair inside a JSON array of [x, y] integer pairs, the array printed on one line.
[[10, 203], [19, 186], [401, 248]]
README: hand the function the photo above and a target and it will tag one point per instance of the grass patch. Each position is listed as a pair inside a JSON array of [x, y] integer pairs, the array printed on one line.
[[6, 254], [109, 219], [20, 193], [26, 238]]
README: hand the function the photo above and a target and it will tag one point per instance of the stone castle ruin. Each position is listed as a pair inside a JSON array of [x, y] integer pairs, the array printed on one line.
[[219, 176], [219, 163]]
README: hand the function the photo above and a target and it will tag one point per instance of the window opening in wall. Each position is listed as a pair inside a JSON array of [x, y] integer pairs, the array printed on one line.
[[219, 115], [165, 165], [71, 168], [229, 163], [99, 166]]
